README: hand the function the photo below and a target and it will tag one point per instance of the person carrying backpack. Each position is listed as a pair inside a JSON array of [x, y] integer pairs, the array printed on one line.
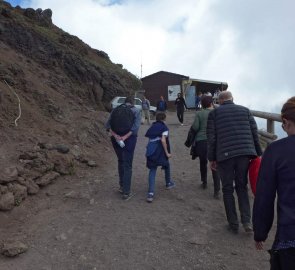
[[123, 125]]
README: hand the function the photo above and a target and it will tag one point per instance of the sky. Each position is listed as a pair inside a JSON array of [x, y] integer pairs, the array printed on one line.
[[248, 44]]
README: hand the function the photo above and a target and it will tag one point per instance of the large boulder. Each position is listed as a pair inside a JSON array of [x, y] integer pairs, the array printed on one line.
[[63, 164], [12, 249], [32, 187], [47, 178], [19, 192], [8, 174], [6, 201]]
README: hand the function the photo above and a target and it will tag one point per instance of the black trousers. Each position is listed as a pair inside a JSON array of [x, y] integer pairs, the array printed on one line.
[[283, 259], [180, 115], [202, 153], [233, 173]]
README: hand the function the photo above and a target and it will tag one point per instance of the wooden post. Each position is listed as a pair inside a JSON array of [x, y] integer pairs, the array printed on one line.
[[270, 126]]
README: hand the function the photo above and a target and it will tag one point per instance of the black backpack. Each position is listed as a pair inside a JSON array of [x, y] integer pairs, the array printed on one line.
[[122, 119]]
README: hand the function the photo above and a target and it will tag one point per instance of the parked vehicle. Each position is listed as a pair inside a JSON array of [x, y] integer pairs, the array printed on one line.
[[117, 101]]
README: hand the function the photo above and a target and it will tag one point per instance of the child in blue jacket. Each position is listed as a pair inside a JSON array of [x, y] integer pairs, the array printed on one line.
[[158, 153]]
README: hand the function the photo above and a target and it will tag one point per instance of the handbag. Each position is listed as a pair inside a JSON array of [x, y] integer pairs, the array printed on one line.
[[253, 173]]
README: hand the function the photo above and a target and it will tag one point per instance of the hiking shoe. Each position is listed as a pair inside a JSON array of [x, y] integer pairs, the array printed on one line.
[[127, 197], [170, 185], [248, 227], [204, 185], [150, 197], [216, 195], [233, 229]]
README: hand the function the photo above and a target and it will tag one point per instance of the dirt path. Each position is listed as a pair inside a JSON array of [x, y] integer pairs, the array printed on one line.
[[88, 226]]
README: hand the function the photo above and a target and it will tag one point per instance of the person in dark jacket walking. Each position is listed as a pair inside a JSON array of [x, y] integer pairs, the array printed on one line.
[[200, 143], [180, 105], [158, 153], [232, 142], [124, 146], [277, 177], [162, 105]]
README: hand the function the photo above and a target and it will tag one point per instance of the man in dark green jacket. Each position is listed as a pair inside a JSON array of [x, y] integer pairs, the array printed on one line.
[[232, 142]]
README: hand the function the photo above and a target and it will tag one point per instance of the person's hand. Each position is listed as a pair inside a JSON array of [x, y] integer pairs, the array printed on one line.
[[116, 136], [259, 245], [213, 165], [124, 138], [169, 155]]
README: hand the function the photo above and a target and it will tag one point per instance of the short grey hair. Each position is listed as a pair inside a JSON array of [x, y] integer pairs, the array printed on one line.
[[225, 95]]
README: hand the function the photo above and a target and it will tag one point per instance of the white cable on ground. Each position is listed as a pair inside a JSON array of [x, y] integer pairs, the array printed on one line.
[[19, 106]]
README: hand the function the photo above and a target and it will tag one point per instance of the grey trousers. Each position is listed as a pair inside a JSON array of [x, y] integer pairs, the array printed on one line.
[[146, 115], [233, 173]]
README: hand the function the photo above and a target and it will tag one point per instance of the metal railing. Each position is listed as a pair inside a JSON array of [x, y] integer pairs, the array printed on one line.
[[269, 135]]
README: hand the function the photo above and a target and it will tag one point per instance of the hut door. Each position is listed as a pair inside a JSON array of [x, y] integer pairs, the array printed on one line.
[[190, 96]]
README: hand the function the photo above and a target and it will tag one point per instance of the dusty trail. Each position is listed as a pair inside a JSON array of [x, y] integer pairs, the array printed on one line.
[[88, 226]]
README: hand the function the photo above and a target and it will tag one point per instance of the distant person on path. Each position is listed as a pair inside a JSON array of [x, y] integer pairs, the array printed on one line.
[[200, 143], [161, 105], [216, 96], [180, 106], [277, 179], [158, 153], [146, 109], [123, 125], [198, 101], [232, 142]]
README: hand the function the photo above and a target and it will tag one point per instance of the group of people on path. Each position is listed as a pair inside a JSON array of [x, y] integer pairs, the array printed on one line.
[[227, 137]]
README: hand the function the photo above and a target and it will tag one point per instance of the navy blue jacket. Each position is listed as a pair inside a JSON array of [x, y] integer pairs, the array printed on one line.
[[276, 176], [161, 105], [232, 132], [155, 153]]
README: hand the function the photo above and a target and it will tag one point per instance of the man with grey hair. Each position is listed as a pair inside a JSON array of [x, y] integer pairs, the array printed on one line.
[[123, 125], [232, 142]]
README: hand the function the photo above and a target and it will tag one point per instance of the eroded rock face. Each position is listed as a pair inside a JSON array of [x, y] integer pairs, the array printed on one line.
[[44, 17], [64, 87]]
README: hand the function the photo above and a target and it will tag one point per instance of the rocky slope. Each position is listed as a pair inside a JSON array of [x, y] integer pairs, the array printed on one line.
[[58, 89]]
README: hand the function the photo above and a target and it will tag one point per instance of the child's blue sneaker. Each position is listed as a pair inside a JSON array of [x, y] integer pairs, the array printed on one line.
[[150, 197], [170, 185]]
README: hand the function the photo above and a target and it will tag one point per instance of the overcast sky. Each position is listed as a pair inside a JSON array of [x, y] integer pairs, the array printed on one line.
[[248, 44]]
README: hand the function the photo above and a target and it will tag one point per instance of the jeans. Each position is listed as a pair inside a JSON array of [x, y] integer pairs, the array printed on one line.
[[233, 174], [202, 153], [152, 177], [283, 259], [180, 115], [125, 159]]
